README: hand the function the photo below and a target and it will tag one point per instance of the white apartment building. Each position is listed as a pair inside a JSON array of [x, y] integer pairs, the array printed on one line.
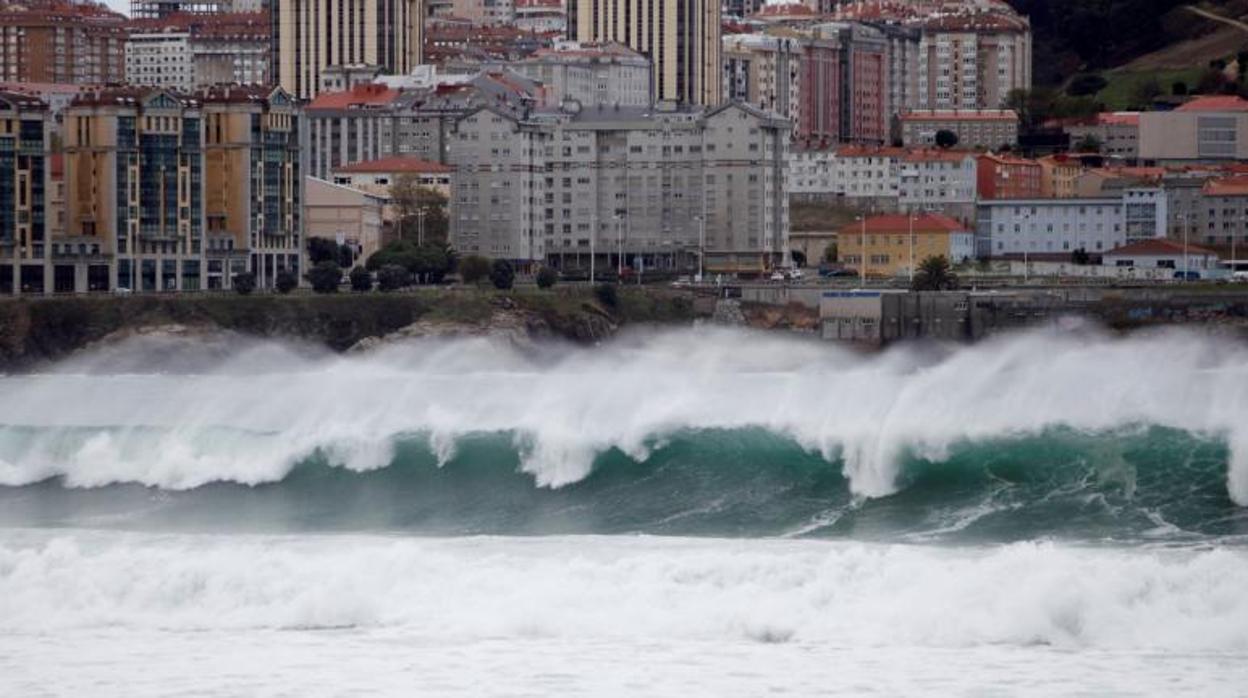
[[1058, 227], [633, 187], [594, 75], [161, 59], [938, 181]]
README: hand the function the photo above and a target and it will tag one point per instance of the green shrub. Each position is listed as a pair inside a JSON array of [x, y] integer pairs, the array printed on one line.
[[392, 277], [325, 277], [361, 280], [547, 277], [244, 283], [286, 282], [502, 275]]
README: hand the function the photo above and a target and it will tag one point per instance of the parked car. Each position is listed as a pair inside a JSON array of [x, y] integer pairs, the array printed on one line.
[[1187, 275], [796, 274], [777, 276]]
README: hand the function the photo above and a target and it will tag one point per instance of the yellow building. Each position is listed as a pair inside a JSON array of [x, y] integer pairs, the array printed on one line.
[[253, 183], [1059, 176], [166, 191], [890, 242]]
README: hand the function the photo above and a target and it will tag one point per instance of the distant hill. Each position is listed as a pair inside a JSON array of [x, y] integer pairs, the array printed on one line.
[[1073, 36]]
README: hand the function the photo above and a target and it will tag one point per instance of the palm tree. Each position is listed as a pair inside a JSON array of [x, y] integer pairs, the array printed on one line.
[[933, 274]]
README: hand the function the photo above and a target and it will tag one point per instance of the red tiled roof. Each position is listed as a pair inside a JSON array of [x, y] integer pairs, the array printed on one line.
[[1228, 186], [1219, 103], [358, 96], [398, 163], [1005, 159], [1158, 247], [1118, 118], [900, 223], [936, 155]]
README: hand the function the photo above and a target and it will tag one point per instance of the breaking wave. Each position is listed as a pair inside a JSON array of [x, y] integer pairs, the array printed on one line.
[[704, 431]]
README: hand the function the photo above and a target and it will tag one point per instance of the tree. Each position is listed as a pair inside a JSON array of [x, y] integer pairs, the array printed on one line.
[[473, 268], [830, 253], [392, 277], [400, 252], [946, 139], [1080, 257], [1085, 84], [286, 281], [1088, 144], [546, 277], [1179, 89], [325, 277], [798, 257], [502, 275], [434, 261], [361, 279], [322, 250], [410, 201], [244, 283], [933, 274]]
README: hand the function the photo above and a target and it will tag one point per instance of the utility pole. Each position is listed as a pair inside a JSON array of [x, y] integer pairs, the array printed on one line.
[[593, 233]]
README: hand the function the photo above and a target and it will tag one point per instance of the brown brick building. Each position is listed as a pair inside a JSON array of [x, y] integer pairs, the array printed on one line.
[[61, 42]]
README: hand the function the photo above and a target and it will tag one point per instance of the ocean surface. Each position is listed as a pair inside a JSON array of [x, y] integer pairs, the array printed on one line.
[[702, 512]]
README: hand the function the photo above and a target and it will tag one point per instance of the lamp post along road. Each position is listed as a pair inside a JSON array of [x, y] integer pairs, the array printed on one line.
[[1187, 228], [593, 233], [912, 247], [862, 262]]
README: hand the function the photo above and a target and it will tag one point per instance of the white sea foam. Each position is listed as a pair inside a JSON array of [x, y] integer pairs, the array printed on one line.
[[235, 422], [595, 589]]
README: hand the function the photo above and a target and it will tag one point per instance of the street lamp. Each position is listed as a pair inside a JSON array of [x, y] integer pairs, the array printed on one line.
[[619, 240], [911, 216], [862, 260], [1026, 244], [701, 246], [1186, 228], [593, 233]]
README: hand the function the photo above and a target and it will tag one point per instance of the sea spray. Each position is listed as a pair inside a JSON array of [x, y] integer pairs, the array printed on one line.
[[566, 407]]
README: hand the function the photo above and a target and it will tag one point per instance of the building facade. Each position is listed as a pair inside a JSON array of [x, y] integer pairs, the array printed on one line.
[[631, 188], [680, 37], [592, 75], [1207, 129], [82, 44], [976, 128], [1003, 176], [1058, 227], [308, 36], [24, 194], [160, 59], [373, 121], [175, 192], [896, 244]]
